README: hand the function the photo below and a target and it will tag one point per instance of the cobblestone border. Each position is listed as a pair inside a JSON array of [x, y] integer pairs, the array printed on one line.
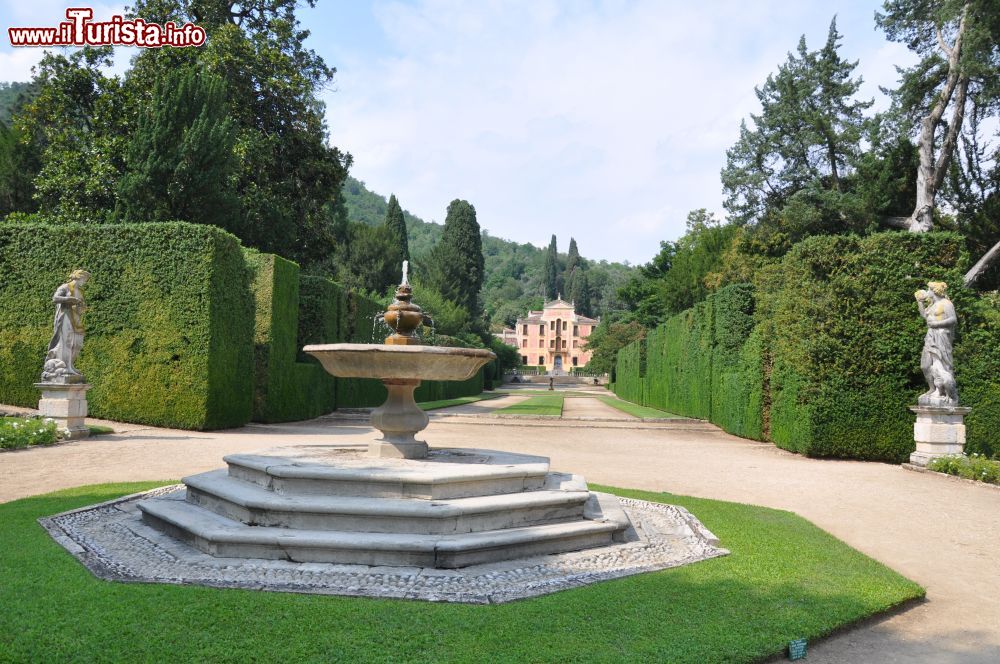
[[112, 542]]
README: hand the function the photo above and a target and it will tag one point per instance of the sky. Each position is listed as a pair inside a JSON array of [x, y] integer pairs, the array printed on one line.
[[603, 121]]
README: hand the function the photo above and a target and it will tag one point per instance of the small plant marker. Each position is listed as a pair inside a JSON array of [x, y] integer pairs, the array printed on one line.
[[797, 649]]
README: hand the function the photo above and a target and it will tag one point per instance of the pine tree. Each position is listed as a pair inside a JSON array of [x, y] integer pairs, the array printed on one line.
[[552, 270], [456, 263], [397, 226], [807, 134], [180, 160]]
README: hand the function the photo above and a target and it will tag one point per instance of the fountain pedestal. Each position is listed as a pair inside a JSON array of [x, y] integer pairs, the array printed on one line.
[[399, 419]]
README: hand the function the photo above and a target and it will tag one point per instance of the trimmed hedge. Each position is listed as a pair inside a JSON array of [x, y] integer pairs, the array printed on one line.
[[286, 389], [168, 328], [186, 328], [822, 355], [737, 363], [359, 323], [846, 340]]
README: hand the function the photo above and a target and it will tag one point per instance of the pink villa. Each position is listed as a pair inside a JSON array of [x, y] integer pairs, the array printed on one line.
[[552, 338]]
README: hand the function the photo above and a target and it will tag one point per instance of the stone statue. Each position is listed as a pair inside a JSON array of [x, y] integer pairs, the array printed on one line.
[[67, 331], [936, 360]]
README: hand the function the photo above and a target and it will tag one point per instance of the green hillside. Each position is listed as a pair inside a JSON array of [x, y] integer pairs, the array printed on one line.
[[515, 272]]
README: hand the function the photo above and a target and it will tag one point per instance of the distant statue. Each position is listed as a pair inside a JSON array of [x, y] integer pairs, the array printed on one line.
[[67, 331], [936, 360]]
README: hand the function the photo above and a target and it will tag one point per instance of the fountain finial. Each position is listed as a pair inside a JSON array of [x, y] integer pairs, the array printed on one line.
[[403, 316]]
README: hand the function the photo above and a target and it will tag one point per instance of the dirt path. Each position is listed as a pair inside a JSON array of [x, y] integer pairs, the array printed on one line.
[[590, 407], [943, 534]]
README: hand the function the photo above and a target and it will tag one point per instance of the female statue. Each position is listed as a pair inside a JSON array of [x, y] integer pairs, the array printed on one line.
[[936, 360], [67, 331]]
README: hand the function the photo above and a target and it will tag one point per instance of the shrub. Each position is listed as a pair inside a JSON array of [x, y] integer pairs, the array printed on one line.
[[169, 324], [17, 432], [972, 467]]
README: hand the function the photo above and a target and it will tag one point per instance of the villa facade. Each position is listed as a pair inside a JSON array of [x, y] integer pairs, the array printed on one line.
[[552, 338]]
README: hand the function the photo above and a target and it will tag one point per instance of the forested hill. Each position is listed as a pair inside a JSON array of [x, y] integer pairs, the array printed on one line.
[[516, 274]]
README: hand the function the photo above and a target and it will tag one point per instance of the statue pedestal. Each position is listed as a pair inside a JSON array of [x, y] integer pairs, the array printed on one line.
[[66, 403], [938, 431]]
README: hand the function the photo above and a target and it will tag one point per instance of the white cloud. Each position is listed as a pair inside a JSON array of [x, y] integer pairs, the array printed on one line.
[[604, 121]]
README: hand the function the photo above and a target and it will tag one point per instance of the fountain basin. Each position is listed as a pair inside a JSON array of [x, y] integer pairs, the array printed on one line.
[[400, 362]]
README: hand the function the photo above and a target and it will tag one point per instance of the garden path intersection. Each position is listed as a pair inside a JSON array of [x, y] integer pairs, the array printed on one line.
[[942, 534]]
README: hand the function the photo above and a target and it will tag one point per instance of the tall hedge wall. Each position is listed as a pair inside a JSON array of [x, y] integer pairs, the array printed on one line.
[[846, 340], [286, 389], [169, 325], [359, 323], [821, 356], [737, 379]]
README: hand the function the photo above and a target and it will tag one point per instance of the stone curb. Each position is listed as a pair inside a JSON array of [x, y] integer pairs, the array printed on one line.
[[927, 471]]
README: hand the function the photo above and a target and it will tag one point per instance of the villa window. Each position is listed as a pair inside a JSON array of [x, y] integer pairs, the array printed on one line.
[[564, 325], [525, 331], [541, 343], [552, 343], [564, 343], [541, 329], [574, 361], [541, 361], [576, 330], [524, 359], [576, 343], [524, 343]]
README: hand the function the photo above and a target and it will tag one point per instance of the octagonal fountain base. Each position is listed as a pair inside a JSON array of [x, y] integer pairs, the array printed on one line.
[[462, 526], [334, 505]]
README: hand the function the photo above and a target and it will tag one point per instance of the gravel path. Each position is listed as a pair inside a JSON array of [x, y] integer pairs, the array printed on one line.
[[943, 534]]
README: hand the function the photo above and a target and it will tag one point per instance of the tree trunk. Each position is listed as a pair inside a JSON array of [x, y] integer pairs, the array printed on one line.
[[931, 172]]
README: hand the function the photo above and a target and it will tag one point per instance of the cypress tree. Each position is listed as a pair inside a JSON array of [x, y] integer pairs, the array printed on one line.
[[573, 259], [397, 227], [581, 293], [456, 264], [552, 270]]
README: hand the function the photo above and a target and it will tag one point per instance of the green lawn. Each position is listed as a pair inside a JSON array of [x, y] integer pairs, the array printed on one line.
[[548, 403], [785, 579], [635, 409], [457, 401]]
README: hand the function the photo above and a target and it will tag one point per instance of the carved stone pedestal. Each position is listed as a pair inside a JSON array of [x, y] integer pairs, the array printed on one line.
[[67, 405], [399, 419], [938, 431]]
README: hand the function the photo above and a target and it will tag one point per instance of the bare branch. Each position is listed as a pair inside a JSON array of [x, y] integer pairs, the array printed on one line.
[[982, 265], [940, 38]]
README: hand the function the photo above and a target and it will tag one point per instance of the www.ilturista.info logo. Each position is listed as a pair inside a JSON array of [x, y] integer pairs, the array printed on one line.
[[79, 30]]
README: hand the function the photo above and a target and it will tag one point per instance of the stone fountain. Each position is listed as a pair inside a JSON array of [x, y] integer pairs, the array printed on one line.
[[398, 502], [400, 363], [390, 518]]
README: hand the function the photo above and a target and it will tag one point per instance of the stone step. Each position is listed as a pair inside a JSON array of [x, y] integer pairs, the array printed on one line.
[[254, 505], [390, 478], [222, 537]]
